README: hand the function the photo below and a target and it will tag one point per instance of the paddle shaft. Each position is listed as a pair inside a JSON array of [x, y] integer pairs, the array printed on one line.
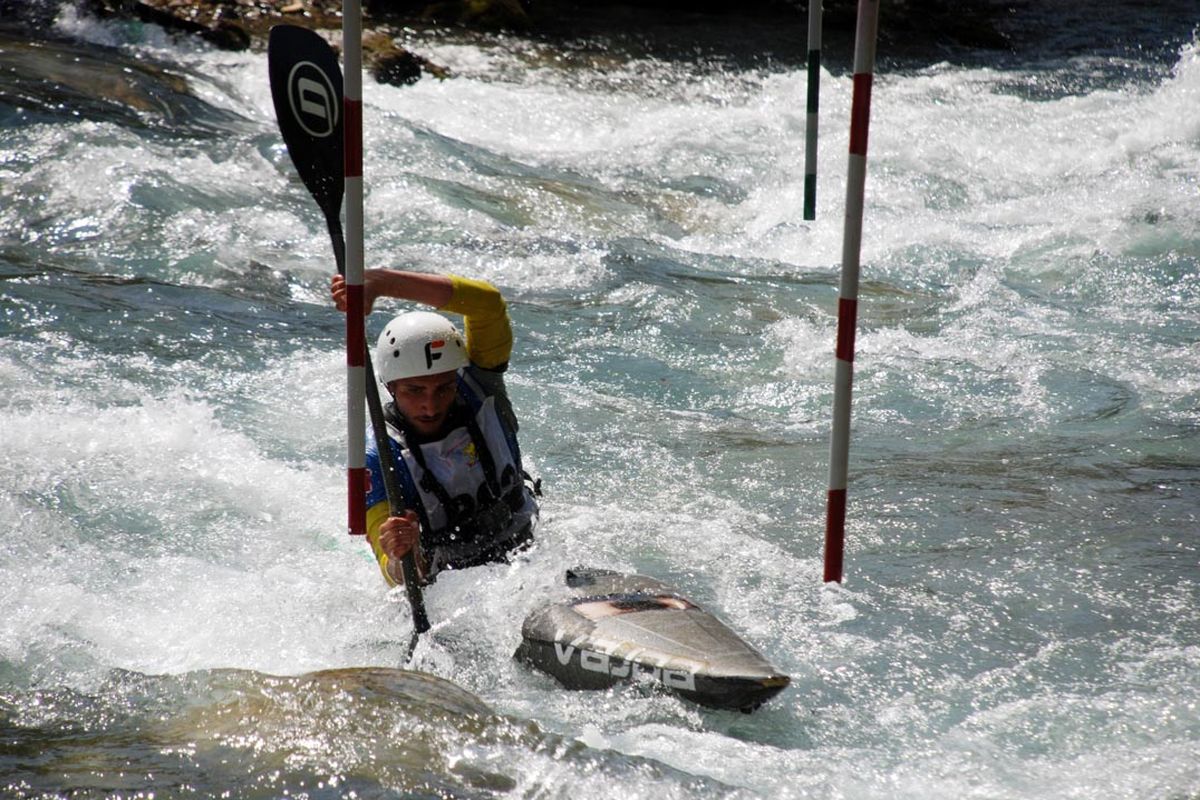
[[355, 309], [387, 462], [306, 86]]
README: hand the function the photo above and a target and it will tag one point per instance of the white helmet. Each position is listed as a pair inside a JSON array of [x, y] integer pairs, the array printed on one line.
[[418, 343]]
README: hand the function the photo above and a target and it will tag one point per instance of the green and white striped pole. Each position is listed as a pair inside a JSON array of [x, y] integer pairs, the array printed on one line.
[[814, 94]]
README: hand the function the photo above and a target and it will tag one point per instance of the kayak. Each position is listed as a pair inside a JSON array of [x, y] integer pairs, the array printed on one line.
[[616, 627]]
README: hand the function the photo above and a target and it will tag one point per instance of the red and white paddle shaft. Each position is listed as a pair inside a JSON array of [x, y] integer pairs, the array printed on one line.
[[356, 347], [856, 175]]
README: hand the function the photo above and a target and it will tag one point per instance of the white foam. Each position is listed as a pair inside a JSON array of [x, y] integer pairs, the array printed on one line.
[[164, 516]]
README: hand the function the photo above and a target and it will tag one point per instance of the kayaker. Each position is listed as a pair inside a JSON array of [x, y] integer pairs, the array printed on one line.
[[451, 425]]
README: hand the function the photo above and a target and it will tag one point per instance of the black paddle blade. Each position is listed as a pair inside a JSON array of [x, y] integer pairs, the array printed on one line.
[[306, 85]]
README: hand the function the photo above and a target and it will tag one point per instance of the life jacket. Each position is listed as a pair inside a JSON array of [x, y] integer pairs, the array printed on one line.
[[468, 488]]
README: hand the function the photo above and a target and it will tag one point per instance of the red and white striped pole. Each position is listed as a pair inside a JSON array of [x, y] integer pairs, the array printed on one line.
[[856, 176], [814, 96], [356, 346]]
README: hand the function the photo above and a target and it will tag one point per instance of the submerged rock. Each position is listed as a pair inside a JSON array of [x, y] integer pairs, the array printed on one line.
[[373, 730], [389, 63]]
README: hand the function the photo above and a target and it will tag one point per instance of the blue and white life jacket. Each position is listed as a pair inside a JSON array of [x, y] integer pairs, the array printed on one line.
[[468, 488]]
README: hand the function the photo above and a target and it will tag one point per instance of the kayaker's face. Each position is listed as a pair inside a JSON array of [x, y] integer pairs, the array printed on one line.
[[425, 401]]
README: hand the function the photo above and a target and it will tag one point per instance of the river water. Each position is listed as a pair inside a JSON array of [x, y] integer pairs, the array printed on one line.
[[183, 616]]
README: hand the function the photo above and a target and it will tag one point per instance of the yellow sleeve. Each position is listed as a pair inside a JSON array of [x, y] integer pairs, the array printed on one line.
[[376, 514], [486, 324]]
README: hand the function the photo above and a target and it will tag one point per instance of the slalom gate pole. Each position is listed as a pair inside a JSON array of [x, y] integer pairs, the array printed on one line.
[[356, 348], [856, 175], [360, 373], [814, 94]]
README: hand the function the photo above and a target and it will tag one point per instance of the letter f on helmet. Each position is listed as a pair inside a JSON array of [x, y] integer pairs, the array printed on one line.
[[418, 343], [433, 351]]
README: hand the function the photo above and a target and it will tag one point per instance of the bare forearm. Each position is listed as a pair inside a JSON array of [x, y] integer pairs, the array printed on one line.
[[420, 287], [486, 321]]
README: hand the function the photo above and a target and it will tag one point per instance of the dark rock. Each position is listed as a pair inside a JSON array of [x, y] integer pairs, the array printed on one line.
[[394, 65], [401, 68], [485, 14], [227, 36]]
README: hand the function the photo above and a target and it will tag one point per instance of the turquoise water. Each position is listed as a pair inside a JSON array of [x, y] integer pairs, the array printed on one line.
[[1020, 613]]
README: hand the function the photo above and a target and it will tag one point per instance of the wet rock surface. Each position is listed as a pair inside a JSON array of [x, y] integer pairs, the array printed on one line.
[[246, 24], [749, 32]]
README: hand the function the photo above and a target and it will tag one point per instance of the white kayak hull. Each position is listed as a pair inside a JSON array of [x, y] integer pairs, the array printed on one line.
[[617, 628]]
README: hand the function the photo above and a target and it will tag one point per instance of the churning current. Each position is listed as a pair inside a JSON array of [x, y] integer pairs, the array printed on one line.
[[183, 614]]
